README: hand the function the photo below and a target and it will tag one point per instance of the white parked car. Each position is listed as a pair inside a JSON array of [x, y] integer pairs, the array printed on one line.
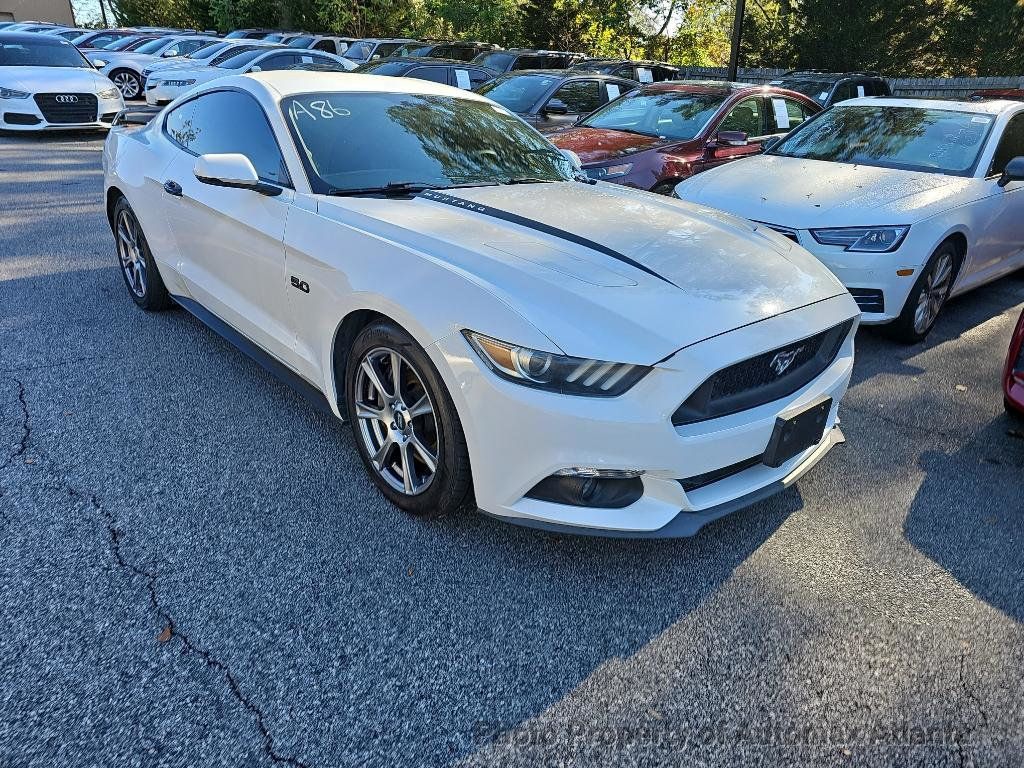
[[500, 331], [907, 201], [125, 68], [45, 83], [206, 56], [328, 43], [165, 88]]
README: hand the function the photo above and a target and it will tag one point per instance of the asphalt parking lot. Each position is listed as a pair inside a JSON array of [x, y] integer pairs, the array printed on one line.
[[196, 571]]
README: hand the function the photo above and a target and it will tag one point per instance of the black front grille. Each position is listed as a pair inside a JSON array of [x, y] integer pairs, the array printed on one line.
[[868, 299], [59, 108], [20, 118], [758, 380], [699, 481]]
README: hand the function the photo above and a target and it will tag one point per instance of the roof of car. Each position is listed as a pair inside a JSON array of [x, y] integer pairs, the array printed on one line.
[[564, 73], [821, 74], [703, 86], [988, 107], [425, 60], [288, 82], [642, 62], [31, 37]]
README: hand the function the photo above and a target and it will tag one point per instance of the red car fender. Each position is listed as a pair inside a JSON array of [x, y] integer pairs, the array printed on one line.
[[1013, 370]]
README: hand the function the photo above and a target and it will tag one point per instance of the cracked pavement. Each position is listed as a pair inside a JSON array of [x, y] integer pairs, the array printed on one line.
[[196, 571]]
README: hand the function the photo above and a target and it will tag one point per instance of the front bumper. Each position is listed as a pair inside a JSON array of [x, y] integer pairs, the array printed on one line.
[[159, 94], [25, 115], [519, 436]]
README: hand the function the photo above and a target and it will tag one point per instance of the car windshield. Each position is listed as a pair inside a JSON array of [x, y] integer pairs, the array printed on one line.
[[239, 60], [907, 138], [300, 42], [816, 89], [414, 49], [519, 92], [366, 141], [153, 45], [498, 60], [359, 51], [47, 52], [207, 50], [125, 43], [666, 114], [384, 67]]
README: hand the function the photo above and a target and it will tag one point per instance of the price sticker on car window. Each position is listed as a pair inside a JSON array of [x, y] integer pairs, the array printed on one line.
[[781, 113], [613, 91], [860, 90], [644, 75], [307, 59], [462, 79]]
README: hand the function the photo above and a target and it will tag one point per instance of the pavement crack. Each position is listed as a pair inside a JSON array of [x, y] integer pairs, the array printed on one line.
[[26, 428], [172, 631], [973, 697]]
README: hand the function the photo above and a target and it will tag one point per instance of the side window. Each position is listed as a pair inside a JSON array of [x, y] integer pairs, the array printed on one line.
[[186, 47], [530, 62], [746, 117], [626, 71], [1011, 145], [386, 49], [478, 77], [325, 45], [229, 121], [786, 115], [433, 74], [845, 91], [581, 96], [878, 88], [462, 53], [280, 61]]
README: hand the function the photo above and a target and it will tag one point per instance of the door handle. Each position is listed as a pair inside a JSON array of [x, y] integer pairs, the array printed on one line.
[[172, 188]]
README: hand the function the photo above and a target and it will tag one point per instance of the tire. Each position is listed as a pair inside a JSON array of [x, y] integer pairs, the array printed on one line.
[[927, 297], [128, 83], [665, 187], [1012, 411], [138, 268], [419, 427]]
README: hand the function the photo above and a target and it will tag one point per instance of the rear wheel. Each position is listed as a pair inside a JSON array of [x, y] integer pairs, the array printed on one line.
[[927, 297], [138, 269], [405, 424], [127, 82]]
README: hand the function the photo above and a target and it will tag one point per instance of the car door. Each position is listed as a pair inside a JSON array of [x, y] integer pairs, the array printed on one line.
[[230, 241], [748, 117], [579, 97], [998, 245]]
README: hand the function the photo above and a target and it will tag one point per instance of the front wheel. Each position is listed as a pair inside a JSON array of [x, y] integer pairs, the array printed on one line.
[[127, 82], [927, 297], [405, 424], [138, 268]]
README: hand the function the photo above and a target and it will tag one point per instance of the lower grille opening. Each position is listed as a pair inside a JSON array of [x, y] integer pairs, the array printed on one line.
[[868, 299], [699, 481], [598, 492], [108, 117], [20, 118]]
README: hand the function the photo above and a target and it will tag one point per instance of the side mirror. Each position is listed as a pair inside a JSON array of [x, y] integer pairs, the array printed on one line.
[[231, 170], [770, 143], [556, 107], [731, 139], [256, 68], [1014, 171], [573, 158]]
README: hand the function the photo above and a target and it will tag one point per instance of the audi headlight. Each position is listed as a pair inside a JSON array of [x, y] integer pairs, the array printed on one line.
[[178, 83], [110, 93], [610, 172], [555, 373], [863, 239], [10, 93]]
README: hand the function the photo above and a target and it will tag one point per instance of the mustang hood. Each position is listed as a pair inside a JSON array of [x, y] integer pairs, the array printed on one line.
[[597, 145], [602, 270], [54, 79], [812, 193]]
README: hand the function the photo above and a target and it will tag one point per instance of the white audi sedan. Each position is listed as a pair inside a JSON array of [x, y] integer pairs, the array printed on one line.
[[907, 201], [45, 83], [500, 332]]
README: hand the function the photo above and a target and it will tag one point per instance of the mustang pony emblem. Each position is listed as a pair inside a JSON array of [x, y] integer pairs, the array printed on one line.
[[783, 360]]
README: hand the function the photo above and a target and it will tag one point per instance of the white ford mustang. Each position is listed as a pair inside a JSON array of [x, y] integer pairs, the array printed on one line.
[[907, 201], [46, 83], [499, 331]]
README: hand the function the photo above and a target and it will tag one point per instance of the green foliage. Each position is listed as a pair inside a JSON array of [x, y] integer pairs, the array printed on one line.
[[922, 37]]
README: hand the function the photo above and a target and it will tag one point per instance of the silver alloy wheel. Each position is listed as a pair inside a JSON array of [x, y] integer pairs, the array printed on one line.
[[133, 261], [128, 84], [397, 421], [933, 292]]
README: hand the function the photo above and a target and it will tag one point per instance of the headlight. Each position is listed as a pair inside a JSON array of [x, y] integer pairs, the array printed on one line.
[[110, 93], [178, 83], [611, 172], [863, 239], [10, 93], [556, 373]]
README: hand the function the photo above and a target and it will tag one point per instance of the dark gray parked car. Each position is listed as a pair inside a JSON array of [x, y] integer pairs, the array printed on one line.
[[828, 88]]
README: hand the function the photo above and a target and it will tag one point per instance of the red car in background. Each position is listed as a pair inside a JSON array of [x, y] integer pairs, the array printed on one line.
[[1012, 94], [1013, 372], [654, 137]]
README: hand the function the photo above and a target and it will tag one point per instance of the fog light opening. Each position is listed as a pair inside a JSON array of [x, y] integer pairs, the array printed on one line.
[[590, 487]]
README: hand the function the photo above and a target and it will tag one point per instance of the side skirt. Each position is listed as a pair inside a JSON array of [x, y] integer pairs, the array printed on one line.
[[264, 359]]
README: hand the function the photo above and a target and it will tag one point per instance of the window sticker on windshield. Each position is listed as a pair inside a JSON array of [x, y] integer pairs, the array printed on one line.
[[316, 109], [823, 96], [613, 91], [860, 90], [781, 113], [462, 79], [644, 75], [982, 120]]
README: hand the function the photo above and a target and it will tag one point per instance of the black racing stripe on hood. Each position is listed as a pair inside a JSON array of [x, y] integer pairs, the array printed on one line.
[[486, 210]]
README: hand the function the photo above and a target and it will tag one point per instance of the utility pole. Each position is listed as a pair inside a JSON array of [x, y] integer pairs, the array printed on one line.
[[103, 13], [737, 33]]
